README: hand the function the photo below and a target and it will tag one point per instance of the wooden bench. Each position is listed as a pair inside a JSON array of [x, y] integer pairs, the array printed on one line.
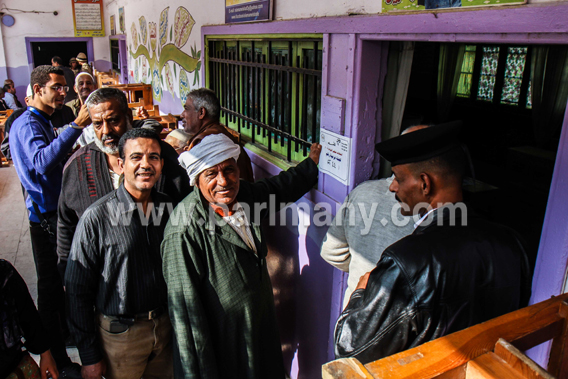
[[493, 349], [136, 91]]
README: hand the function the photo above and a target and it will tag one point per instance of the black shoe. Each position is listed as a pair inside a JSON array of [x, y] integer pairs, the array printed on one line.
[[73, 371]]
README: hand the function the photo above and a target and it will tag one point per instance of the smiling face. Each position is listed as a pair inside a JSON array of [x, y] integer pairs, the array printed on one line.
[[109, 124], [219, 184], [407, 188], [50, 98], [142, 165], [84, 87]]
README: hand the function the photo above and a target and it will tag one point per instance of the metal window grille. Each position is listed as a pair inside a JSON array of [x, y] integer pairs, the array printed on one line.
[[270, 91]]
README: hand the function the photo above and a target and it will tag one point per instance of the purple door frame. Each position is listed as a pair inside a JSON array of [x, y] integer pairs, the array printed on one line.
[[526, 24], [90, 52], [122, 53]]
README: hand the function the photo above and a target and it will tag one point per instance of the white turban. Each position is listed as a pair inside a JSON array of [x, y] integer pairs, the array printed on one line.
[[212, 150]]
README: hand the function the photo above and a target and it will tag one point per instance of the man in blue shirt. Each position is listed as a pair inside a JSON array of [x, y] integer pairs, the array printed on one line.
[[38, 157]]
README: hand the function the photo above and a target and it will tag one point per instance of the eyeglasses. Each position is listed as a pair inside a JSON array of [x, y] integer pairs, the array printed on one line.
[[59, 88]]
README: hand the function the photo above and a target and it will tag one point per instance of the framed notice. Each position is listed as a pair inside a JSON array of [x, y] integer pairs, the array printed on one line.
[[420, 5], [335, 158], [112, 26], [121, 22], [247, 10], [88, 18]]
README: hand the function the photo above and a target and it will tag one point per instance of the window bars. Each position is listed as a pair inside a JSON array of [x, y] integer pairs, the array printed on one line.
[[270, 91]]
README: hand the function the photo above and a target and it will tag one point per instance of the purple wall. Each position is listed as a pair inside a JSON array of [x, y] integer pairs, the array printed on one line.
[[354, 62]]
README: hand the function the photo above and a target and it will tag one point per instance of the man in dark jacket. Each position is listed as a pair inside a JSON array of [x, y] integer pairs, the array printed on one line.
[[93, 170], [453, 272]]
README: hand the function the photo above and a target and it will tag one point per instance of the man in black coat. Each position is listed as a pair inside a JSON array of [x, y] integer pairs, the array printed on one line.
[[452, 272], [93, 170]]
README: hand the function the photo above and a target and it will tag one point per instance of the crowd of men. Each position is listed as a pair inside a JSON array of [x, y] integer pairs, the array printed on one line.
[[149, 259]]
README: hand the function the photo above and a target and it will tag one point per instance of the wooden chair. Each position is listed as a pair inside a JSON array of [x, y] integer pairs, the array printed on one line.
[[493, 349], [136, 91]]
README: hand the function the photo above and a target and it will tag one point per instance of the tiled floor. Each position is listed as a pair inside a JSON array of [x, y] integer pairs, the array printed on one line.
[[15, 245]]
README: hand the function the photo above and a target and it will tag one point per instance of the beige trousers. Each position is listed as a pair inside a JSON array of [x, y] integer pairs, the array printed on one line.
[[144, 350]]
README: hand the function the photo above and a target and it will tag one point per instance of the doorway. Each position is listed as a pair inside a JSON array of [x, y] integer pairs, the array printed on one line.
[[41, 50]]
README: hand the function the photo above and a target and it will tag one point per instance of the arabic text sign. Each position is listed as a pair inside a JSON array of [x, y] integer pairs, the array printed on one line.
[[88, 18], [335, 156]]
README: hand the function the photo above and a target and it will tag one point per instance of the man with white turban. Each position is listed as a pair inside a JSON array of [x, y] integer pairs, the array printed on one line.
[[214, 261]]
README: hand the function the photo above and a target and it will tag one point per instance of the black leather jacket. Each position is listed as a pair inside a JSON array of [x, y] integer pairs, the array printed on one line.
[[438, 280]]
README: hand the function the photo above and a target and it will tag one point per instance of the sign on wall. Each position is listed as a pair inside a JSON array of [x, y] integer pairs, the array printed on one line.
[[247, 10], [121, 21], [88, 18], [112, 25], [420, 5], [335, 156]]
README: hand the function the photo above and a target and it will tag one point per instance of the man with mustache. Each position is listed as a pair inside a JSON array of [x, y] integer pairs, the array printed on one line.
[[454, 271], [114, 283], [84, 85], [93, 171], [219, 292], [38, 157]]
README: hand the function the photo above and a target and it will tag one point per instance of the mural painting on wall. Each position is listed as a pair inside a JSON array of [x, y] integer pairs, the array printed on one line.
[[408, 5], [156, 54]]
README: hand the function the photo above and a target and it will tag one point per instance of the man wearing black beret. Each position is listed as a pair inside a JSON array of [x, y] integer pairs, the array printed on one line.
[[453, 271]]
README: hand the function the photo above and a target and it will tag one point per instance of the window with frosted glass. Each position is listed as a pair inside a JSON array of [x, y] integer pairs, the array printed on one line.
[[489, 63], [515, 66], [464, 85], [529, 96]]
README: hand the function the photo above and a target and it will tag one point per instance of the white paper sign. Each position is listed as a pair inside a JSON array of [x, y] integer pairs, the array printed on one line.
[[335, 156]]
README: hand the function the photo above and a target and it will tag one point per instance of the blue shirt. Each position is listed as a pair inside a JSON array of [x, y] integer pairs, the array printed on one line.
[[38, 156]]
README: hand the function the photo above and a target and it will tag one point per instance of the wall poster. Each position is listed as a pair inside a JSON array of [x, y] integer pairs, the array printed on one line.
[[247, 10], [121, 20], [420, 5], [88, 18], [112, 26]]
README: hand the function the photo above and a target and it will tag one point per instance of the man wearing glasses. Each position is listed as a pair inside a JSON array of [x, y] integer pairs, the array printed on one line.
[[39, 157]]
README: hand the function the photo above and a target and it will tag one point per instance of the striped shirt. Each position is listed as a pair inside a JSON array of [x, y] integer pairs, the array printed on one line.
[[115, 265]]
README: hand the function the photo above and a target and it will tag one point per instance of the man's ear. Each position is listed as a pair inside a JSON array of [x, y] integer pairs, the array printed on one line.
[[36, 89], [202, 113], [120, 164], [426, 184]]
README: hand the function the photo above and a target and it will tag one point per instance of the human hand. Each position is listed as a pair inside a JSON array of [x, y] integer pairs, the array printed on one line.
[[315, 151], [142, 113], [47, 365], [95, 371], [363, 281], [83, 118]]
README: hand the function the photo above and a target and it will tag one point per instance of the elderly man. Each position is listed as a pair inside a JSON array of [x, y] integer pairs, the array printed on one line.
[[93, 171], [219, 291], [69, 78], [453, 271], [84, 86], [179, 140], [200, 118], [38, 157], [115, 289]]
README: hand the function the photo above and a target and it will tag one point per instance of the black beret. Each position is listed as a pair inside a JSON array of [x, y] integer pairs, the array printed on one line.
[[421, 145]]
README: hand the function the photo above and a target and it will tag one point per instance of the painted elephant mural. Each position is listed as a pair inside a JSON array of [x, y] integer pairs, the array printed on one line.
[[156, 54]]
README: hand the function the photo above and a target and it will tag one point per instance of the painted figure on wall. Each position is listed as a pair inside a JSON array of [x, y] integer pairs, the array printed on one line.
[[157, 55]]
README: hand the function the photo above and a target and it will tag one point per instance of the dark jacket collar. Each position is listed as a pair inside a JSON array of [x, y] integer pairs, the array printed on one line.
[[447, 215]]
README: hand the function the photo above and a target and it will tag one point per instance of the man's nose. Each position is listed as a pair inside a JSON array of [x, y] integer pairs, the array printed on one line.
[[105, 129], [221, 179], [393, 187]]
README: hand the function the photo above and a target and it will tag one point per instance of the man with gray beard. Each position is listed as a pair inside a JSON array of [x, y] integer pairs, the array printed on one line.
[[93, 170]]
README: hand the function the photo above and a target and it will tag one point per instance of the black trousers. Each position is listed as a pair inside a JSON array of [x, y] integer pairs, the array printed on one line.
[[50, 294]]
